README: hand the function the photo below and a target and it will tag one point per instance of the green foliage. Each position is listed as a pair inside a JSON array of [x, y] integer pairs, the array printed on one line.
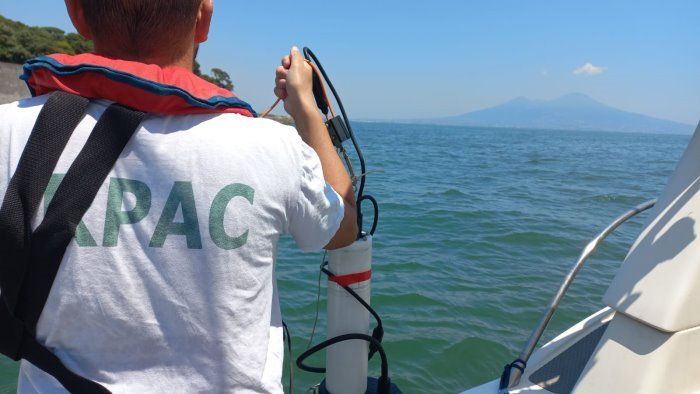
[[219, 77], [78, 43], [19, 42], [222, 79]]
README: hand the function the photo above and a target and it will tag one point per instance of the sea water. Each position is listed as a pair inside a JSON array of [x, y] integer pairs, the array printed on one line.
[[477, 228]]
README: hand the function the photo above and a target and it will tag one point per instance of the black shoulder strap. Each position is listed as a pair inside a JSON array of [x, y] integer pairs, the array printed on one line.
[[53, 128], [72, 199], [29, 271]]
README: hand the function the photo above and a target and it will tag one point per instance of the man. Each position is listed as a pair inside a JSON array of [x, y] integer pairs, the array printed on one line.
[[169, 284]]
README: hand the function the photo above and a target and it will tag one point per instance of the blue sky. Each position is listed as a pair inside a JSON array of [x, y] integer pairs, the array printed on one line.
[[401, 59]]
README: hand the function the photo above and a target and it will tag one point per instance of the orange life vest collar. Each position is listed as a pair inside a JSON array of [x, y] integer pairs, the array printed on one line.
[[145, 87]]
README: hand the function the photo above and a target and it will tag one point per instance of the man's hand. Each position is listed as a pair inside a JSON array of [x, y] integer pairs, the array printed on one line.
[[294, 85]]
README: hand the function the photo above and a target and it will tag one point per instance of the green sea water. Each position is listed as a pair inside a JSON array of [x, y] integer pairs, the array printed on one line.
[[477, 228]]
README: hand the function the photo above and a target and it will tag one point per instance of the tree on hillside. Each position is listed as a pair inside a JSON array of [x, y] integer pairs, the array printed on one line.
[[79, 44], [219, 78], [19, 42]]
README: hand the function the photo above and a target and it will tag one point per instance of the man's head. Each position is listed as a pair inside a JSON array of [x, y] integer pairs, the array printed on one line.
[[157, 31]]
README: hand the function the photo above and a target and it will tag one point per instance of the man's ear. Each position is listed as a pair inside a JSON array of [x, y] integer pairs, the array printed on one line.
[[77, 16], [201, 32]]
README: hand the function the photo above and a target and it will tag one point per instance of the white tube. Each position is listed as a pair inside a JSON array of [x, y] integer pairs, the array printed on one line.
[[346, 362]]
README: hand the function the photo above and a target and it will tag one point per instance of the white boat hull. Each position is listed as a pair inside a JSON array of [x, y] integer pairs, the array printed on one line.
[[549, 352]]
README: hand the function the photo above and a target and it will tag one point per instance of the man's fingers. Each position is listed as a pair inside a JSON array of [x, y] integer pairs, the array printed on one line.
[[281, 93], [286, 61], [281, 88], [293, 83], [296, 58]]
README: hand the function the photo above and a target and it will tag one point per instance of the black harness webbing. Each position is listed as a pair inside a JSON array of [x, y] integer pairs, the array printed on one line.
[[29, 267], [52, 130]]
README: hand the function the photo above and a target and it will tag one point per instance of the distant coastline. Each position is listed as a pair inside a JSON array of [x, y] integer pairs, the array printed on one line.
[[468, 128], [282, 119]]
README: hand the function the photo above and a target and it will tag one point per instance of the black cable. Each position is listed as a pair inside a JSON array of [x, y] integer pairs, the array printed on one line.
[[360, 193], [291, 357], [378, 331], [384, 385], [376, 337], [384, 380], [376, 211], [358, 298], [309, 54]]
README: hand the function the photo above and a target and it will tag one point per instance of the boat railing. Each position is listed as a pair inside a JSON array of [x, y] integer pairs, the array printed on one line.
[[514, 371]]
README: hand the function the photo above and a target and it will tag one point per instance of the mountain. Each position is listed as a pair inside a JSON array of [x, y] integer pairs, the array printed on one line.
[[570, 112]]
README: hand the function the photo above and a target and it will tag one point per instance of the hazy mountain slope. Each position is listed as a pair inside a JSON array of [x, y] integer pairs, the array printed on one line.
[[570, 112]]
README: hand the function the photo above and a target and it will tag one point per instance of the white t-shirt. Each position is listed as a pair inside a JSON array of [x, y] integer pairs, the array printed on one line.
[[169, 285]]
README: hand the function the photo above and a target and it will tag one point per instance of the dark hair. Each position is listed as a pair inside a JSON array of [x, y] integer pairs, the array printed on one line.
[[140, 27]]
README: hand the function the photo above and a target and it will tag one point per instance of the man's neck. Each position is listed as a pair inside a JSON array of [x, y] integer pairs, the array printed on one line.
[[164, 60]]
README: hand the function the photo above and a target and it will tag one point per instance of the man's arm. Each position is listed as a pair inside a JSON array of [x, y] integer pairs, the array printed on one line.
[[293, 84]]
